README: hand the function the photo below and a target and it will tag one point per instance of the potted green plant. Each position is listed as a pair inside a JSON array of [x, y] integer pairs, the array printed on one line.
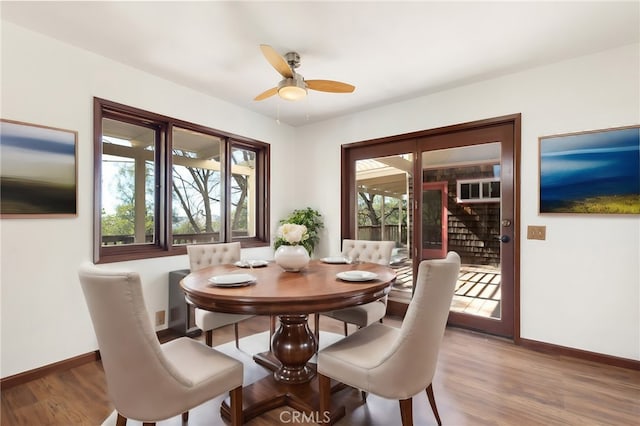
[[312, 220]]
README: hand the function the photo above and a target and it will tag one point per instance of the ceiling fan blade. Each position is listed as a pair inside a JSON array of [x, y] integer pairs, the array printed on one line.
[[330, 86], [276, 61], [266, 94]]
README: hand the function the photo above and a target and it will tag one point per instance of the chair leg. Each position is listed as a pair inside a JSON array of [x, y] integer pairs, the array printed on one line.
[[364, 396], [235, 330], [185, 417], [209, 338], [406, 411], [432, 402], [121, 421], [346, 329], [324, 390], [236, 406]]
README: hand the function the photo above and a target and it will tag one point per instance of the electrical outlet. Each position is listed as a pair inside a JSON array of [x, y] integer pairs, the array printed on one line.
[[536, 232], [159, 318]]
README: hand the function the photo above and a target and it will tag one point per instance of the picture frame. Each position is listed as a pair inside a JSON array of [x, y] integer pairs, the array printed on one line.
[[593, 172], [38, 171]]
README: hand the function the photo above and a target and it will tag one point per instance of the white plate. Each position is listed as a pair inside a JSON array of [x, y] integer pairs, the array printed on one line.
[[334, 259], [232, 280], [357, 275], [251, 263]]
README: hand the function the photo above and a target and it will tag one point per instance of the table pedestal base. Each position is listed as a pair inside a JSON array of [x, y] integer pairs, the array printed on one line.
[[294, 382], [293, 345], [267, 394]]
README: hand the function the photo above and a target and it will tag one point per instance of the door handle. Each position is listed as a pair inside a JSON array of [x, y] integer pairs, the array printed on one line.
[[504, 238]]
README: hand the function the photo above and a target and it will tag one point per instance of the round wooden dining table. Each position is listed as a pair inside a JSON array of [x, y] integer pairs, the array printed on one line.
[[292, 296]]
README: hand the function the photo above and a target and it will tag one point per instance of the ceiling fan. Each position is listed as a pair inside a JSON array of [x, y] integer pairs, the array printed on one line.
[[293, 86]]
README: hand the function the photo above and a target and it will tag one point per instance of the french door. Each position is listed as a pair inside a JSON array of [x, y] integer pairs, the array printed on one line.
[[447, 189], [474, 167]]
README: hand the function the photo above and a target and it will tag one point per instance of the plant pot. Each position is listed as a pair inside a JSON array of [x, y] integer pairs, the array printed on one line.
[[292, 258]]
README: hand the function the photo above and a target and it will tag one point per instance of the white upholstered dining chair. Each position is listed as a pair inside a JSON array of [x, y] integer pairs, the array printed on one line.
[[362, 315], [397, 363], [148, 381], [201, 256]]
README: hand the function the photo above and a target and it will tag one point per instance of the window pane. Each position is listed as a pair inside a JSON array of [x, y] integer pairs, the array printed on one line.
[[495, 189], [197, 187], [465, 191], [243, 193], [475, 190], [486, 190], [128, 190], [383, 194]]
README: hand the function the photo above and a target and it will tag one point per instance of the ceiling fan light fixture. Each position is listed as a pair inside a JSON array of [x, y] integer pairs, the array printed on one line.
[[292, 89]]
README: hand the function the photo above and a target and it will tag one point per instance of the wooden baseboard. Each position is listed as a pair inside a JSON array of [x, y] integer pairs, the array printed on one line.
[[548, 348], [552, 349], [66, 364], [398, 309]]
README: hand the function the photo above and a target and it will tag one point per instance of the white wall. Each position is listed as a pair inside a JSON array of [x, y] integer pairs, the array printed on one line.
[[43, 313], [581, 287]]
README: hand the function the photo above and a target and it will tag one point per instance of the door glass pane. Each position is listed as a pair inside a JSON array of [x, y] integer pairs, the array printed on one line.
[[384, 193], [128, 183], [472, 221], [243, 192], [196, 187]]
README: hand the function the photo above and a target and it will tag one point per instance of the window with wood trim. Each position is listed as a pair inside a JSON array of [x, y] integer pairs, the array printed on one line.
[[162, 183], [478, 190]]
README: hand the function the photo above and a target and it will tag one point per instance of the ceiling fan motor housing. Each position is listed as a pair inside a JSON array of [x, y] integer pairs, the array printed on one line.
[[293, 59]]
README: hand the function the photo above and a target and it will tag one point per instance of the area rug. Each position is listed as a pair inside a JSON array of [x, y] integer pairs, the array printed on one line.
[[252, 372]]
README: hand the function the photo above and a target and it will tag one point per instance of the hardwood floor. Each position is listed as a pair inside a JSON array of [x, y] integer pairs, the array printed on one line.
[[480, 380]]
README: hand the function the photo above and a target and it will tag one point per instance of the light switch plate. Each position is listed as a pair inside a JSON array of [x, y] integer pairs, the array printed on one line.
[[536, 232]]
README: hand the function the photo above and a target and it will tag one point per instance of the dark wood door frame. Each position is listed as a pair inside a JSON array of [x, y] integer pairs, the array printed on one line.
[[409, 143]]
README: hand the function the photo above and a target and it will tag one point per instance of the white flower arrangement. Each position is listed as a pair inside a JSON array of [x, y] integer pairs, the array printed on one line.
[[291, 234]]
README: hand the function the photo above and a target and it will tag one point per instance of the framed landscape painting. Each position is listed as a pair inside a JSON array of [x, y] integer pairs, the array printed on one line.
[[591, 172], [38, 171]]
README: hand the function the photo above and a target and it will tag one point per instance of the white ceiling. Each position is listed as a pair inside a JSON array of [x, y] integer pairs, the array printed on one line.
[[390, 51]]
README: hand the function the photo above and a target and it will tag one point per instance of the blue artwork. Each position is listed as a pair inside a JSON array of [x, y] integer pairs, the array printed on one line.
[[595, 172], [37, 170]]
